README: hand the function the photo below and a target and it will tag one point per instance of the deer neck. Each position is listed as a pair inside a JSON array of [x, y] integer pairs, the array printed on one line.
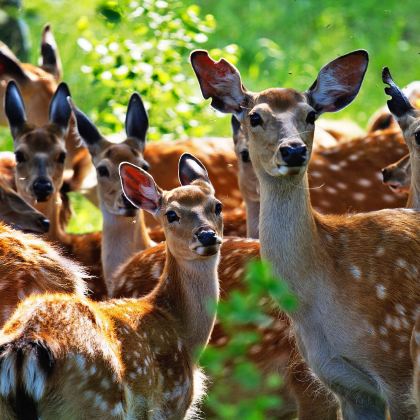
[[52, 210], [413, 201], [252, 218], [288, 232], [186, 289], [122, 237]]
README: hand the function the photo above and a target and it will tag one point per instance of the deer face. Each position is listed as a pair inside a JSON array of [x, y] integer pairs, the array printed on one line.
[[107, 156], [40, 151], [398, 175], [190, 215], [279, 123]]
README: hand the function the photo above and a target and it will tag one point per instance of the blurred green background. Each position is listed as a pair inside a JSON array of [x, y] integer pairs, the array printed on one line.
[[111, 48]]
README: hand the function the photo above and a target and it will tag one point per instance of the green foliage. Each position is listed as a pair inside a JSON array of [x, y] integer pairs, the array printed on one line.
[[242, 315]]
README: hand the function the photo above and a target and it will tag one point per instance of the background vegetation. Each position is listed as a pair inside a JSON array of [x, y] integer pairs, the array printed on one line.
[[110, 48]]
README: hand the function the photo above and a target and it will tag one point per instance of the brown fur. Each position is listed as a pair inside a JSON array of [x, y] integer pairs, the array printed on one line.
[[132, 357], [28, 266]]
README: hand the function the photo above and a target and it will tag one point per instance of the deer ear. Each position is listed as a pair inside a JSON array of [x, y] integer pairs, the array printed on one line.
[[140, 188], [50, 57], [136, 121], [338, 82], [220, 81], [86, 128], [11, 66], [399, 105], [190, 169], [14, 108], [60, 110]]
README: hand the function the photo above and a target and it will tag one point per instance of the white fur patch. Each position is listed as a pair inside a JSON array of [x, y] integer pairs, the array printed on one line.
[[8, 374], [34, 377]]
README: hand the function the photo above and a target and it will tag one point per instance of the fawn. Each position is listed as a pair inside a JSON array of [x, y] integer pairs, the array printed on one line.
[[397, 175], [38, 85], [123, 358], [124, 231], [28, 265], [408, 118], [352, 314]]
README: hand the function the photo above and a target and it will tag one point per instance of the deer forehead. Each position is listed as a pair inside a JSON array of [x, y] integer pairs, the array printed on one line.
[[189, 196], [44, 139], [117, 153], [278, 100]]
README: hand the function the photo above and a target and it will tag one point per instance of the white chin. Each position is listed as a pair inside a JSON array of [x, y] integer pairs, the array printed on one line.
[[289, 170]]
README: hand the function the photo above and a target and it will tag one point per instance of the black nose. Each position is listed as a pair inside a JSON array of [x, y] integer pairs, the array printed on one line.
[[245, 156], [42, 188], [207, 237], [294, 155], [386, 175], [145, 166], [45, 225], [127, 203]]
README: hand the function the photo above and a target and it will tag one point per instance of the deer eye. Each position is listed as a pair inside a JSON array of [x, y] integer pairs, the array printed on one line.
[[255, 119], [102, 171], [218, 209], [172, 216], [20, 157], [61, 157], [311, 117], [417, 138]]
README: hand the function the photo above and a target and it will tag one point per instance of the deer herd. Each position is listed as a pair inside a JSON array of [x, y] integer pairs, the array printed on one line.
[[111, 324]]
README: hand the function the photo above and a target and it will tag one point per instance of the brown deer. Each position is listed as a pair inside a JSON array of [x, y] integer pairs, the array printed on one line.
[[408, 118], [129, 358], [17, 213], [37, 85], [397, 176], [124, 231], [28, 265], [354, 322]]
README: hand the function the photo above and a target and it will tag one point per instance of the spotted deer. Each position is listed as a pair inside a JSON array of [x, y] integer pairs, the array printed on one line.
[[397, 176], [408, 118], [29, 265], [342, 268], [37, 86], [129, 358], [124, 231]]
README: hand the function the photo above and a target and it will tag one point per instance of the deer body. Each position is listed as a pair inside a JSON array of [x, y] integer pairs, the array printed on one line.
[[342, 268], [132, 358]]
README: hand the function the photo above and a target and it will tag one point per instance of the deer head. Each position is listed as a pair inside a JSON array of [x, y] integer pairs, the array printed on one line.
[[278, 122], [37, 84], [397, 175], [107, 156], [40, 151], [190, 216]]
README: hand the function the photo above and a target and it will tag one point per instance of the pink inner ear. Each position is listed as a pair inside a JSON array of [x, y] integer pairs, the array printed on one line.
[[139, 188]]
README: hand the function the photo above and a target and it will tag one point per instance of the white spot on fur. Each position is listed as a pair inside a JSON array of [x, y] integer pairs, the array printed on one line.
[[380, 291], [355, 271]]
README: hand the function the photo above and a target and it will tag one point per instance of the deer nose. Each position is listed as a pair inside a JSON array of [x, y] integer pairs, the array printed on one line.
[[45, 225], [245, 156], [386, 175], [127, 203], [42, 188], [207, 237], [294, 154]]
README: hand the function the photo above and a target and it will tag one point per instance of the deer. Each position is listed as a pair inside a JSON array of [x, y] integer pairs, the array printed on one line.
[[408, 119], [128, 358], [313, 253], [124, 230], [29, 265], [397, 176], [37, 85]]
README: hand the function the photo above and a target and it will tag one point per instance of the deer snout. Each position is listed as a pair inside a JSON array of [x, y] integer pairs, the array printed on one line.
[[294, 154], [127, 203], [386, 175], [42, 188], [44, 225], [245, 156], [207, 236]]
